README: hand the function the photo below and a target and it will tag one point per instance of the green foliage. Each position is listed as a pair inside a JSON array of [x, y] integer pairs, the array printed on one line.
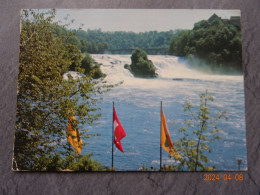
[[87, 63], [141, 66], [80, 42], [179, 42], [137, 55], [99, 41], [84, 163], [44, 97], [215, 43], [199, 130], [127, 66], [90, 67], [97, 48], [144, 167], [97, 73]]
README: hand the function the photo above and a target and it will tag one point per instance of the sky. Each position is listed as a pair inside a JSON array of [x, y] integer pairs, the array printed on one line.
[[139, 20]]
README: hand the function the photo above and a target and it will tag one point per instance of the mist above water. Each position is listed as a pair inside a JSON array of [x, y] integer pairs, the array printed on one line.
[[168, 67]]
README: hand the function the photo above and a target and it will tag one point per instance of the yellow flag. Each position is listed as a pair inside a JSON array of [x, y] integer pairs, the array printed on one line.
[[166, 141], [73, 136]]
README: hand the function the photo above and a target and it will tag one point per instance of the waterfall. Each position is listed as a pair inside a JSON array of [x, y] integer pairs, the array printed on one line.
[[138, 106], [167, 67]]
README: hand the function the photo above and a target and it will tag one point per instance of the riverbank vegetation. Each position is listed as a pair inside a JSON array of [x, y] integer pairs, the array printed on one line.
[[213, 45], [198, 130], [44, 97]]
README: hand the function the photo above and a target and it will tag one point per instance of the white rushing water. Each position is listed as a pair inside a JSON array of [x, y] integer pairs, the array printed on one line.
[[137, 102], [167, 67]]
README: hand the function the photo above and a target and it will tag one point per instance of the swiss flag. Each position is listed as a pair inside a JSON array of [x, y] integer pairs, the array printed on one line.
[[119, 132]]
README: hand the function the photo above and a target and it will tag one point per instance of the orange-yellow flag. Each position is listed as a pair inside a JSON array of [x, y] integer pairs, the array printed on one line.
[[166, 141], [73, 136]]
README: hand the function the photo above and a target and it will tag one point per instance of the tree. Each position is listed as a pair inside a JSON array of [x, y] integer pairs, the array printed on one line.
[[215, 43], [141, 66], [198, 131], [44, 97], [178, 43], [91, 67], [119, 41]]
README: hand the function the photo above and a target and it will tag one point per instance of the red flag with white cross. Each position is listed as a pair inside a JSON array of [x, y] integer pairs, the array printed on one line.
[[119, 132]]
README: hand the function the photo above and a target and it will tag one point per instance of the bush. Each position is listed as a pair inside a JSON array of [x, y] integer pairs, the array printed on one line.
[[198, 131], [91, 67], [141, 66], [85, 163]]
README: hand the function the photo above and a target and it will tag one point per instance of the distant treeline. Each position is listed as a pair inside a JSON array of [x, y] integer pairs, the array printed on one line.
[[214, 44], [98, 41]]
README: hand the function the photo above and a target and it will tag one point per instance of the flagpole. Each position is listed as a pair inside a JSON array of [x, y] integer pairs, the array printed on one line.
[[161, 140], [113, 138]]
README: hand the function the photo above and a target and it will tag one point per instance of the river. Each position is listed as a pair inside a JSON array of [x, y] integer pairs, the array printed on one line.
[[137, 102]]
